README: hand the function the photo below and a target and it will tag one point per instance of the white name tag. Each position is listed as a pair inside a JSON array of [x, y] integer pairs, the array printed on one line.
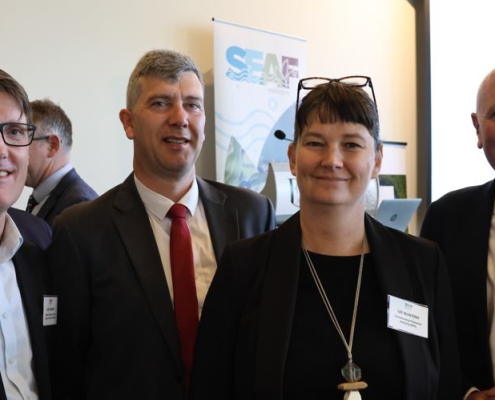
[[50, 304], [408, 317]]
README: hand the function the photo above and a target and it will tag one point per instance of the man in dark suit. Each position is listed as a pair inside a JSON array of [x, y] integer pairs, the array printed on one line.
[[56, 184], [23, 294], [463, 224], [31, 228], [111, 259]]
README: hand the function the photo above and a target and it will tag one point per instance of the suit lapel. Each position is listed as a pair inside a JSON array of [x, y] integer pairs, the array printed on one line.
[[47, 206], [222, 220], [30, 280], [278, 301], [51, 201], [395, 280], [478, 218], [132, 223]]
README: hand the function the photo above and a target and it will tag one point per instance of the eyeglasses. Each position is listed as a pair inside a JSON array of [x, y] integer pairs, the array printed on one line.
[[35, 139], [354, 80], [17, 134]]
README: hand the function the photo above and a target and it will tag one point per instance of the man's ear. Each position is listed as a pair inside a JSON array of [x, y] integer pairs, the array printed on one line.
[[476, 124], [53, 145], [126, 118]]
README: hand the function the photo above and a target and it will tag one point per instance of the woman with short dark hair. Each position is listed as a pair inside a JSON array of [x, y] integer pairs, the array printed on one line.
[[332, 304]]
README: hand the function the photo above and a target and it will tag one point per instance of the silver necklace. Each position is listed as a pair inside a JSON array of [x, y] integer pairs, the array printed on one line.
[[351, 372]]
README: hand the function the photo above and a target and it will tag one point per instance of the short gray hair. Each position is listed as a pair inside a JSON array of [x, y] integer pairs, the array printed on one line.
[[168, 65], [51, 119]]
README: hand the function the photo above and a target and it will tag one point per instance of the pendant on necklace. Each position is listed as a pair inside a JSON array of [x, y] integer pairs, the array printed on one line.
[[352, 389], [352, 386], [351, 372], [353, 395]]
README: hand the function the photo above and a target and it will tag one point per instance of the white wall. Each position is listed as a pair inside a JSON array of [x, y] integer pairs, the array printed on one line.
[[461, 56], [80, 55]]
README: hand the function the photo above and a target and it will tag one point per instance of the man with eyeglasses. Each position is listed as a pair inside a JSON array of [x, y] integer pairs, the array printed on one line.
[[25, 321], [56, 184], [463, 223]]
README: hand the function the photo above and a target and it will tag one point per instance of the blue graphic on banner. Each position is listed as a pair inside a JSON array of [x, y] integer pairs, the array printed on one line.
[[239, 168], [254, 66], [256, 75]]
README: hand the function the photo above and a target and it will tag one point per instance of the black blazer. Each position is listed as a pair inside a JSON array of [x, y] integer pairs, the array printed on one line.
[[70, 190], [32, 280], [460, 223], [117, 333], [247, 318], [31, 227]]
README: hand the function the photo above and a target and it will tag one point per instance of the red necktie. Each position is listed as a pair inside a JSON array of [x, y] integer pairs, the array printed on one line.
[[185, 297]]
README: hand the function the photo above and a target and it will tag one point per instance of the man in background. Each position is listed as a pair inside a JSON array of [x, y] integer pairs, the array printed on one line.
[[463, 224], [133, 266], [56, 184], [23, 322]]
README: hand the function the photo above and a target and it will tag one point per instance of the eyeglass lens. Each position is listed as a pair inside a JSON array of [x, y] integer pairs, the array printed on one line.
[[17, 134]]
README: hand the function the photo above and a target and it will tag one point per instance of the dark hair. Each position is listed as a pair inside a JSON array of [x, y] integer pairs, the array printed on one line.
[[52, 120], [12, 88], [168, 65], [338, 102]]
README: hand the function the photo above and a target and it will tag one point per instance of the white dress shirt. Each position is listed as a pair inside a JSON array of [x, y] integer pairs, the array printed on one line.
[[43, 190], [16, 355], [157, 207]]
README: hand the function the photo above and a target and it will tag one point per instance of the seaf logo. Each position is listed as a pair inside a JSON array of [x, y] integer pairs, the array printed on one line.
[[254, 66]]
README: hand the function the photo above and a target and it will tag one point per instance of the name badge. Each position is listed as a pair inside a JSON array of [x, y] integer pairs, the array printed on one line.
[[50, 304], [408, 317]]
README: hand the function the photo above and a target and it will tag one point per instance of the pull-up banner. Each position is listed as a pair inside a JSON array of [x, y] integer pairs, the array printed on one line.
[[256, 74]]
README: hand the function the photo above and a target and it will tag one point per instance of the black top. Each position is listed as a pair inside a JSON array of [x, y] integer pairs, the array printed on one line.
[[316, 353]]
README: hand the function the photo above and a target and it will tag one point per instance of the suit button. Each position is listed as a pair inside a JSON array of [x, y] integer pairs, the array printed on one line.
[[11, 361], [5, 315]]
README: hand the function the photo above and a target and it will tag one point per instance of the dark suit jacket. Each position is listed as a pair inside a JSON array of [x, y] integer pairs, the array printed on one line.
[[31, 274], [460, 223], [70, 190], [117, 334], [31, 227], [246, 323]]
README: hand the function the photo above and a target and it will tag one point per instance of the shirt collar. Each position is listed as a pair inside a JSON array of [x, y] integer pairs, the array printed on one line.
[[159, 205], [45, 188], [11, 240]]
